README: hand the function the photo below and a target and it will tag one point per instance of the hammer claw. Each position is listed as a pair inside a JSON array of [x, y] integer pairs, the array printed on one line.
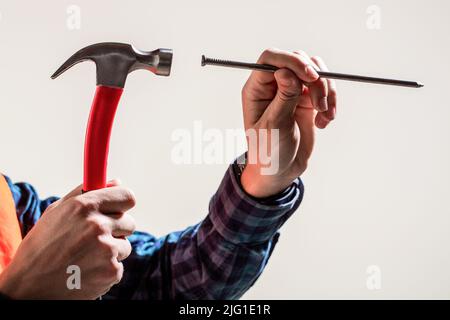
[[73, 60]]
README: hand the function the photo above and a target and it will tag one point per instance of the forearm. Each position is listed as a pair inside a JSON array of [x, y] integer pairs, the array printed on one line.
[[219, 258]]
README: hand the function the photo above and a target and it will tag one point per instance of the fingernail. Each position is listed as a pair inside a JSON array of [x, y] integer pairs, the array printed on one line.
[[322, 123], [114, 182], [333, 113], [323, 104], [312, 72]]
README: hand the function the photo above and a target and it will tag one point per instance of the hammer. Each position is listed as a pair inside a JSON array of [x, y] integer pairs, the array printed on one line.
[[114, 61]]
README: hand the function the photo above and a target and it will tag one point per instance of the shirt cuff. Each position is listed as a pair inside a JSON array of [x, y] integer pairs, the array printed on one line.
[[242, 219]]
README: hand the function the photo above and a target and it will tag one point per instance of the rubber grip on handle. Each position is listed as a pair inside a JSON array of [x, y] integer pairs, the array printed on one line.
[[98, 134]]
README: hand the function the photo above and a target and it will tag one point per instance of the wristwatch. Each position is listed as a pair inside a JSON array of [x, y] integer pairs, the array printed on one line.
[[238, 168], [239, 165]]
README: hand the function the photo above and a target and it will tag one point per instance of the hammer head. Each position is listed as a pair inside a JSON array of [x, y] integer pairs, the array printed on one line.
[[114, 61]]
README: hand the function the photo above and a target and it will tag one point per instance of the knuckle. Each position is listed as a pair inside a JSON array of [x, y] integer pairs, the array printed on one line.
[[129, 248], [332, 87], [268, 53], [130, 197], [97, 227], [83, 204], [316, 59], [301, 63], [127, 196], [246, 88], [295, 83], [301, 53], [250, 90], [244, 94], [128, 225], [132, 223], [77, 203], [288, 95], [106, 248], [115, 271], [323, 85], [332, 93]]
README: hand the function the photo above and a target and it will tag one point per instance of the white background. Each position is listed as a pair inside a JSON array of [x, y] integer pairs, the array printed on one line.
[[377, 188]]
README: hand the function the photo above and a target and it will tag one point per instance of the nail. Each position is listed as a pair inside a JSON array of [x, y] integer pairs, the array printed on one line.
[[311, 72], [322, 123], [333, 114]]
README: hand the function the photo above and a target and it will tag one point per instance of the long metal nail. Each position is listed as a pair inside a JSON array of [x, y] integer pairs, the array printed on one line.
[[322, 74]]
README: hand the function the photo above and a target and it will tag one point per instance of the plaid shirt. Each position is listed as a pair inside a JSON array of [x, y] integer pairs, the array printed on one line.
[[219, 258]]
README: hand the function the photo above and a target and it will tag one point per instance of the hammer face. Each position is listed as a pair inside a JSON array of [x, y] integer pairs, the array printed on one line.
[[158, 61], [164, 62]]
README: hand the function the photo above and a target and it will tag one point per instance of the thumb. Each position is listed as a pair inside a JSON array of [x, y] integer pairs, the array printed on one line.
[[288, 93], [75, 192], [79, 190]]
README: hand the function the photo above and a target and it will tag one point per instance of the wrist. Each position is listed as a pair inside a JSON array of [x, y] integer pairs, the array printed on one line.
[[261, 186]]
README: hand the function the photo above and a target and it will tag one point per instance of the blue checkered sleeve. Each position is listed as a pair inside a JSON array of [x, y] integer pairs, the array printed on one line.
[[29, 206], [219, 258]]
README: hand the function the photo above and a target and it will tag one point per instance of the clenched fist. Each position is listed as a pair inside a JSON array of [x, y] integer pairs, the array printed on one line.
[[293, 100], [86, 230]]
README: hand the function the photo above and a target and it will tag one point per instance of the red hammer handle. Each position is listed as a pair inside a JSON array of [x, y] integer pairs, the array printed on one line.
[[98, 134]]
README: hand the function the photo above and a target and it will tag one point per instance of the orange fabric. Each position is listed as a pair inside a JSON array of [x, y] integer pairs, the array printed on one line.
[[10, 235]]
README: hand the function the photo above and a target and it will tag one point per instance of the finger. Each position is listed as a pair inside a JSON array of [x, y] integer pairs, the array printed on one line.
[[317, 92], [75, 192], [283, 59], [305, 120], [321, 121], [319, 88], [120, 269], [330, 114], [122, 224], [123, 246], [286, 98], [79, 190], [117, 249], [319, 95], [113, 199], [305, 99]]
